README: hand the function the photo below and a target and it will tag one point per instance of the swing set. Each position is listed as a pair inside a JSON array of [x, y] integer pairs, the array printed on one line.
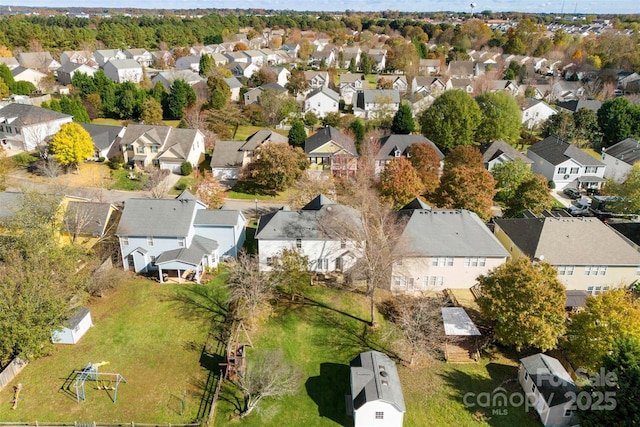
[[104, 380]]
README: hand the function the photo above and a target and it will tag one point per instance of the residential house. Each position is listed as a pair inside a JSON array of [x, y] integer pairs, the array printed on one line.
[[86, 223], [419, 102], [162, 146], [465, 70], [379, 57], [462, 84], [219, 59], [106, 139], [27, 127], [243, 69], [351, 52], [460, 247], [238, 57], [188, 63], [41, 61], [271, 58], [234, 86], [351, 83], [331, 150], [168, 77], [10, 62], [282, 75], [177, 238], [324, 232], [430, 85], [22, 74], [620, 158], [375, 103], [103, 56], [69, 69], [509, 86], [588, 254], [123, 70], [78, 57], [326, 56], [397, 146], [317, 79], [398, 83], [549, 389], [563, 90], [163, 59], [576, 104], [229, 157], [322, 101], [291, 49], [499, 152], [535, 112], [376, 393], [565, 164], [251, 96], [141, 56], [430, 67], [256, 57]]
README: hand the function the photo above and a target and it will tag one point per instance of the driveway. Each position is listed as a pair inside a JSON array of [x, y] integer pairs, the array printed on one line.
[[562, 198]]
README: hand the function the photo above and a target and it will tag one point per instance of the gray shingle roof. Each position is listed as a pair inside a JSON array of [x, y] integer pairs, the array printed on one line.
[[262, 136], [157, 217], [325, 90], [402, 142], [77, 317], [179, 141], [217, 217], [448, 232], [550, 377], [556, 150], [103, 136], [87, 217], [227, 154], [627, 150], [123, 64], [569, 241], [26, 115], [374, 377], [200, 246], [327, 134], [491, 150], [575, 105]]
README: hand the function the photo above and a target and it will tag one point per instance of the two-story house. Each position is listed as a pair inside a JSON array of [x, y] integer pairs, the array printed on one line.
[[442, 248], [331, 150], [588, 254], [375, 103], [123, 70], [535, 112], [322, 101], [177, 238], [141, 56], [103, 56], [162, 146], [620, 158], [396, 146], [499, 152], [317, 79], [69, 69], [565, 164], [27, 127], [351, 83], [324, 232]]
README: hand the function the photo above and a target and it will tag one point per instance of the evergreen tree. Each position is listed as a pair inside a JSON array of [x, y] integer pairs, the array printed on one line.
[[403, 122], [180, 97], [297, 134]]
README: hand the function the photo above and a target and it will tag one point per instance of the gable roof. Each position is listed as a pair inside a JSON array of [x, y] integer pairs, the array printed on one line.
[[227, 154], [326, 91], [192, 255], [35, 59], [25, 115], [233, 83], [157, 217], [123, 64], [171, 140], [390, 143], [550, 377], [262, 136], [87, 217], [451, 232], [627, 150], [217, 217], [575, 105], [569, 241], [103, 136], [350, 77], [327, 134], [556, 150], [374, 377], [373, 96], [491, 150]]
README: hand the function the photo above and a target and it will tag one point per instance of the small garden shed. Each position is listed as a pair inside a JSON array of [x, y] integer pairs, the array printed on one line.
[[74, 328]]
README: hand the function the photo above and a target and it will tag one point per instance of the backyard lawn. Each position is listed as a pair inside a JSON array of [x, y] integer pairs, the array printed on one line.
[[144, 336], [322, 336], [245, 132]]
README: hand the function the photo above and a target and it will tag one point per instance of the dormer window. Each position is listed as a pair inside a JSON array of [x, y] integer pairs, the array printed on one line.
[[396, 153]]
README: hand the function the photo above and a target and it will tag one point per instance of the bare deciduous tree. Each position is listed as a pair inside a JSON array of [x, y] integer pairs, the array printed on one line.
[[157, 185], [269, 375], [250, 291]]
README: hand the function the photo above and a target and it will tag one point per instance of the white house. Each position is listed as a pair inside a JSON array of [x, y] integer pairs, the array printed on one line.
[[69, 69], [565, 164], [22, 74], [548, 387], [376, 393], [317, 79], [459, 248], [498, 152], [323, 231], [234, 86], [74, 328], [103, 56], [123, 70], [27, 127], [535, 112], [188, 63], [322, 101], [620, 158], [168, 77], [349, 84], [141, 56], [375, 103], [282, 75]]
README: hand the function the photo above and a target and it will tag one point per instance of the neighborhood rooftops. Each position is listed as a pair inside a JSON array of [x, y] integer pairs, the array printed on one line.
[[556, 150], [391, 143], [26, 115], [374, 377], [491, 150], [627, 150], [191, 255]]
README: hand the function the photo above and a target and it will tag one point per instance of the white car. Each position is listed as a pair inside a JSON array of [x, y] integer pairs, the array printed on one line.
[[581, 207]]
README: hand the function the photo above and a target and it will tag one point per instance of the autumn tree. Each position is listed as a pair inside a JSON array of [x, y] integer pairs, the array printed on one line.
[[501, 118], [426, 162], [400, 183], [297, 134], [219, 92], [403, 122], [210, 191], [290, 272], [628, 192], [151, 112], [509, 176], [71, 145], [276, 107], [297, 82], [277, 166], [307, 188], [451, 120], [526, 303], [592, 332], [532, 194], [587, 127], [261, 77], [560, 124]]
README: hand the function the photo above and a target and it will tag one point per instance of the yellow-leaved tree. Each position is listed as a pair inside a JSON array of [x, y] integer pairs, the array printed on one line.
[[71, 145]]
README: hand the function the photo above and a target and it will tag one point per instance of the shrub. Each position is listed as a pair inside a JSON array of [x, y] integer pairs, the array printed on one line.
[[181, 186], [552, 185], [186, 168], [116, 162], [101, 159], [23, 159]]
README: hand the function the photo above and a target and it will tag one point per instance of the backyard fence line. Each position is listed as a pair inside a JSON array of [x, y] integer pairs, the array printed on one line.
[[12, 369], [92, 424], [212, 412]]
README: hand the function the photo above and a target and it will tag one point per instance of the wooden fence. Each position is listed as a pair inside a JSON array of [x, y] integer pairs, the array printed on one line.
[[11, 371], [90, 424]]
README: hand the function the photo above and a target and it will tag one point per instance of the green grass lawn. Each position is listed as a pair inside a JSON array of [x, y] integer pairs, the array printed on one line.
[[146, 338], [245, 132], [121, 181], [322, 337], [593, 153], [247, 190]]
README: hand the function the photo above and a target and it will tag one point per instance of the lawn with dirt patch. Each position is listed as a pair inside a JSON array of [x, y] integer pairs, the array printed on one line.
[[323, 335], [127, 180], [144, 336]]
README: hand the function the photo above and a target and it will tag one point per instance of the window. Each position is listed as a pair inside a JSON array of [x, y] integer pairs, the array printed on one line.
[[153, 260], [597, 290], [533, 387], [591, 169], [595, 270], [398, 281], [181, 242], [140, 150], [1, 128], [154, 149], [410, 283], [379, 415], [269, 260], [339, 264], [322, 264], [150, 241], [574, 170], [125, 241], [442, 262], [475, 261], [343, 244], [299, 243], [562, 171], [568, 412], [526, 375], [565, 270], [8, 129]]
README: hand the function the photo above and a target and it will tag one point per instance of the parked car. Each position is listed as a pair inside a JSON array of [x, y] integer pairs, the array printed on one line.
[[572, 193], [581, 207]]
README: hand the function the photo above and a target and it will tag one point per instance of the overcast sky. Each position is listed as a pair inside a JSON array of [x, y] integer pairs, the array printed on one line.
[[556, 6]]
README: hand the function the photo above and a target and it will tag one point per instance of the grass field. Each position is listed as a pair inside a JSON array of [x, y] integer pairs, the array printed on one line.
[[321, 338], [247, 190], [145, 337], [120, 180], [245, 132]]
